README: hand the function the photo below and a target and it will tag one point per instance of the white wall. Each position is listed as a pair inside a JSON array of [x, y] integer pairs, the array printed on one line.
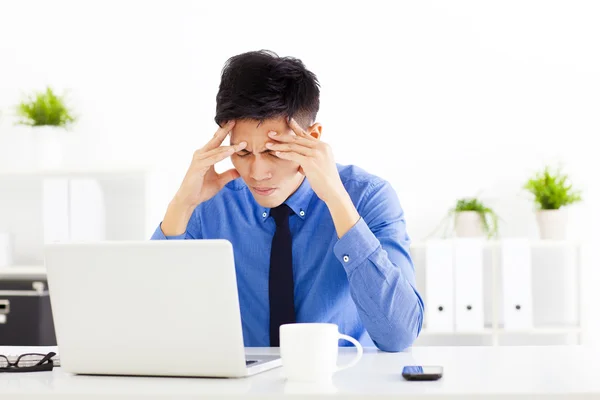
[[444, 99]]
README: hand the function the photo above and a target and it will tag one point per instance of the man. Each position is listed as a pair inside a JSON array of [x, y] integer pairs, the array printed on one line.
[[313, 241]]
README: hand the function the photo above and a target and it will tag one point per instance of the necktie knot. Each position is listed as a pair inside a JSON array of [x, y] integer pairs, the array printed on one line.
[[281, 214]]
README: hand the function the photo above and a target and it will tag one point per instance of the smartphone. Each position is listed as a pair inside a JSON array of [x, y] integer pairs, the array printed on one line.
[[422, 372]]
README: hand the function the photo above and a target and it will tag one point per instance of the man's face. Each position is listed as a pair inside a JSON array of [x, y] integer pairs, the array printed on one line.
[[270, 179]]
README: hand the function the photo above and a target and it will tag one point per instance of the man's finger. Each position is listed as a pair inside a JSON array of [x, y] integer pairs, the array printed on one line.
[[285, 138], [298, 130], [305, 151], [227, 150], [292, 156], [214, 158], [219, 136], [202, 155]]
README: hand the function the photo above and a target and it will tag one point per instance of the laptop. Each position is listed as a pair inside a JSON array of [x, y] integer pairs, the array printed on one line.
[[149, 308]]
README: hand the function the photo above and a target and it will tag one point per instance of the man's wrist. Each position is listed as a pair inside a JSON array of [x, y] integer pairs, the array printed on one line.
[[343, 212], [336, 196], [181, 208], [176, 219]]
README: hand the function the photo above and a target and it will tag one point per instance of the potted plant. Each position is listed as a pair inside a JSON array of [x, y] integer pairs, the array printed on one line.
[[472, 218], [552, 191], [48, 119]]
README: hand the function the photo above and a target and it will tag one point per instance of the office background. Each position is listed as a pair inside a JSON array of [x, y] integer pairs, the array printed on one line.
[[443, 99]]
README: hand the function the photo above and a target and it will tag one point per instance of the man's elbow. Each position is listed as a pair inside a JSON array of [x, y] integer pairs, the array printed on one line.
[[403, 337]]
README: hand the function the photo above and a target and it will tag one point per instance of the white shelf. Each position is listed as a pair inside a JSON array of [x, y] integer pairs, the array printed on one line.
[[485, 331], [75, 171], [492, 243], [87, 202], [500, 331], [543, 331], [556, 303], [23, 272]]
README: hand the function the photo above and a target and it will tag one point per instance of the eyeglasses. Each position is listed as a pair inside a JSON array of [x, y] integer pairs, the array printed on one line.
[[30, 362]]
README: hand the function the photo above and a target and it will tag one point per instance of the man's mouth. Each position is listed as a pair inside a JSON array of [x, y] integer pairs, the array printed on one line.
[[263, 191]]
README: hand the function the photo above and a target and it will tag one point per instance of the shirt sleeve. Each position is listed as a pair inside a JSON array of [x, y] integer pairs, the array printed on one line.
[[375, 254], [193, 230]]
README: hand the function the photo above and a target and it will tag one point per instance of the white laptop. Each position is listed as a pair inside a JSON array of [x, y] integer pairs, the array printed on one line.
[[149, 308]]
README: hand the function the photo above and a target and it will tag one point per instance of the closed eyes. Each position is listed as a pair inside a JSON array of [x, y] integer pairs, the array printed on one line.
[[244, 153]]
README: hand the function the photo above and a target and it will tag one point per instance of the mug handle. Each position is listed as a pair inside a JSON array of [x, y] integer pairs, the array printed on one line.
[[359, 352]]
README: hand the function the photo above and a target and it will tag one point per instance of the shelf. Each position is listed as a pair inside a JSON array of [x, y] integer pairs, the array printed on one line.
[[535, 243], [543, 331], [75, 171], [501, 331], [485, 331], [23, 272]]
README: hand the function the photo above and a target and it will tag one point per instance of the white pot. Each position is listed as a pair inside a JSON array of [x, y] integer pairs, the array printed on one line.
[[5, 250], [39, 147], [552, 224], [49, 144], [468, 224]]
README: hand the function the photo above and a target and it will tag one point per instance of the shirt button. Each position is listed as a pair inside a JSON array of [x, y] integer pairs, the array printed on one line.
[[302, 213], [346, 258], [265, 214]]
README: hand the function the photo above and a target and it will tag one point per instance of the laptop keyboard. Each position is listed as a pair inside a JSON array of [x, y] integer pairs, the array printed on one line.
[[250, 362]]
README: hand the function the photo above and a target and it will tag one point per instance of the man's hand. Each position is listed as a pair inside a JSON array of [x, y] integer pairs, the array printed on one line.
[[315, 158], [318, 165], [201, 182]]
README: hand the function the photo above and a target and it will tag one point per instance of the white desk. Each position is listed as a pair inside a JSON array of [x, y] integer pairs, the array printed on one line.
[[470, 373]]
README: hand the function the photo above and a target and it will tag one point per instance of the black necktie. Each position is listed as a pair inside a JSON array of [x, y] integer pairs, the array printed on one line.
[[281, 276]]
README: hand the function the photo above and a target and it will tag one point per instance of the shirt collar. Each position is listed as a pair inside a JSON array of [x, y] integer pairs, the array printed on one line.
[[298, 201]]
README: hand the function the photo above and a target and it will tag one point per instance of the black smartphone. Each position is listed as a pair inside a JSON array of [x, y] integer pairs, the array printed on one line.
[[422, 372]]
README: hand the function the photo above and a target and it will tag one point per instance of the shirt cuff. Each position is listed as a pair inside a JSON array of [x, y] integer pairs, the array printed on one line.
[[356, 246], [159, 235]]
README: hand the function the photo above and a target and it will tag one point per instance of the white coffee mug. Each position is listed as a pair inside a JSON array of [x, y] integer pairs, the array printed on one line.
[[309, 351]]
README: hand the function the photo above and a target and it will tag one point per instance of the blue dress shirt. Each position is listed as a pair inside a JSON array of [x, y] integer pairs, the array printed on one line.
[[364, 281]]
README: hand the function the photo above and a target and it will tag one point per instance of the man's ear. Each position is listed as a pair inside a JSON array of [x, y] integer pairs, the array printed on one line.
[[315, 130]]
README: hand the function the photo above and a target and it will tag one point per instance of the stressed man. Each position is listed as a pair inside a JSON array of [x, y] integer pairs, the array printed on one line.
[[313, 241]]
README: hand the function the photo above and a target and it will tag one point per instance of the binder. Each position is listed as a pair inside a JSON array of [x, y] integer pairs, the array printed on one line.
[[439, 284], [6, 249], [516, 284], [468, 264], [55, 207], [87, 210]]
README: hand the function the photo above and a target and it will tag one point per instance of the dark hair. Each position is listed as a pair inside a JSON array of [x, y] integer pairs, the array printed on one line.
[[260, 85]]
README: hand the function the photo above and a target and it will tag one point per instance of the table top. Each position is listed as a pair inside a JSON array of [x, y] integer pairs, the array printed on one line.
[[470, 372]]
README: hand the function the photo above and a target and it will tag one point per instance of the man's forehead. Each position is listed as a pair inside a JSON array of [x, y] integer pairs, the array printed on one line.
[[259, 128]]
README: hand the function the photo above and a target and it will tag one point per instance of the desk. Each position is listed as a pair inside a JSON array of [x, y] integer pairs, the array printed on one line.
[[470, 373]]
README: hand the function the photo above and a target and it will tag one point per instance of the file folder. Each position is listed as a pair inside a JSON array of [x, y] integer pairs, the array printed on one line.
[[468, 264], [516, 284], [439, 284], [87, 210], [55, 208]]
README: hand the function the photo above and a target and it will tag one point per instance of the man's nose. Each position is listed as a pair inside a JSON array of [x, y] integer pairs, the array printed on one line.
[[260, 169]]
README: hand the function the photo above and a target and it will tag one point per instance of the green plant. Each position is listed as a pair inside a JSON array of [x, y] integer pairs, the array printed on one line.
[[44, 108], [552, 190], [489, 218]]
